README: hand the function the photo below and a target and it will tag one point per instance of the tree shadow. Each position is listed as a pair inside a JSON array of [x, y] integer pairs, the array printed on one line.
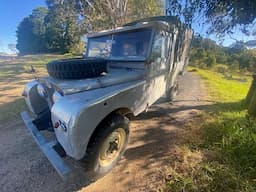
[[153, 137], [152, 141], [156, 137]]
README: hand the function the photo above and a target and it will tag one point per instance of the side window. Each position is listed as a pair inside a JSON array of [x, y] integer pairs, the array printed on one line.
[[159, 53], [157, 48]]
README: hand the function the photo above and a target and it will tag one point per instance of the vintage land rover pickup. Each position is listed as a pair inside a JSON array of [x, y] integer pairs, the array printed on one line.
[[86, 102]]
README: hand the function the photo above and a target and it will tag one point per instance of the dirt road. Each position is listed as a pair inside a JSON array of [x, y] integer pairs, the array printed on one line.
[[153, 137]]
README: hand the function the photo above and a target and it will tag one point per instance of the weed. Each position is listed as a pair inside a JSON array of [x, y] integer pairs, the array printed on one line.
[[229, 134]]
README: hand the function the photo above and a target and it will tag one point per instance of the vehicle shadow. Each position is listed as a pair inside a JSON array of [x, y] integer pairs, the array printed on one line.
[[154, 136]]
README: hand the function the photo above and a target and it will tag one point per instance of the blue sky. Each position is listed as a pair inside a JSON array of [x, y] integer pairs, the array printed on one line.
[[227, 40], [13, 11]]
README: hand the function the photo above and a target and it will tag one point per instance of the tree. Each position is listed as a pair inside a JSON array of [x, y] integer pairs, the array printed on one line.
[[222, 18], [25, 36], [138, 9], [226, 15], [38, 29], [211, 60], [30, 32], [62, 28], [107, 14], [55, 29], [99, 15]]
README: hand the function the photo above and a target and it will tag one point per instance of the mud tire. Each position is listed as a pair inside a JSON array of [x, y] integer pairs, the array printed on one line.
[[77, 68], [92, 161]]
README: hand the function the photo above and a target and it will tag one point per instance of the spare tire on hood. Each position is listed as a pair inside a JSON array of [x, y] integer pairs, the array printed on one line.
[[77, 68]]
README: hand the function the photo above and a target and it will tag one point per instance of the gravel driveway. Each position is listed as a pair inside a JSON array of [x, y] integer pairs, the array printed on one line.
[[153, 134]]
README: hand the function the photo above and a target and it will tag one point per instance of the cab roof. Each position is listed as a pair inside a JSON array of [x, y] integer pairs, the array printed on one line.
[[162, 22]]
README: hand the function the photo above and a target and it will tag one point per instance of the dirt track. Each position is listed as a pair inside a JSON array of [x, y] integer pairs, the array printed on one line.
[[153, 137]]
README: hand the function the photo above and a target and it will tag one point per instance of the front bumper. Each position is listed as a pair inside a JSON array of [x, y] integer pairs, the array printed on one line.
[[55, 159]]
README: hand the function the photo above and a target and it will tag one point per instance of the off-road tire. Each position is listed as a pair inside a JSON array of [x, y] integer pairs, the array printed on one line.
[[91, 162], [77, 68]]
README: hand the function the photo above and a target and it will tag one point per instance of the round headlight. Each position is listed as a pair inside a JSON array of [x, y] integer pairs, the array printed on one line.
[[41, 90]]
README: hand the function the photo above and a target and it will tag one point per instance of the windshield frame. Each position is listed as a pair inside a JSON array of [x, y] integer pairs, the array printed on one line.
[[128, 58]]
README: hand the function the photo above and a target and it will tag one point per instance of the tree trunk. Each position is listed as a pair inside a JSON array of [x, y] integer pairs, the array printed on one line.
[[250, 100], [252, 91]]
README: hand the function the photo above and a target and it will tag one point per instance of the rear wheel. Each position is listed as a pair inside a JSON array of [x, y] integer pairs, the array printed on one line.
[[106, 146]]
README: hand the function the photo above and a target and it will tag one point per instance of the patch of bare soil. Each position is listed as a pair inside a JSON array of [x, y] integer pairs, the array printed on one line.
[[154, 139]]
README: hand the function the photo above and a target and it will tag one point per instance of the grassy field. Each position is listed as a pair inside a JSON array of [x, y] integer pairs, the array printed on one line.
[[14, 73], [226, 144]]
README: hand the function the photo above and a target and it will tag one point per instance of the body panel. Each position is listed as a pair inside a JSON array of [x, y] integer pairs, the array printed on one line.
[[33, 100], [114, 76], [83, 111]]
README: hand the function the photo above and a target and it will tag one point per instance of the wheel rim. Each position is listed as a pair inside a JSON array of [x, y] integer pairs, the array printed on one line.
[[112, 147]]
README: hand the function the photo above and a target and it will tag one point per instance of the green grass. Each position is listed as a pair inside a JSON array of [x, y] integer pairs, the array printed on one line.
[[13, 75], [223, 90], [228, 135], [235, 131], [19, 65]]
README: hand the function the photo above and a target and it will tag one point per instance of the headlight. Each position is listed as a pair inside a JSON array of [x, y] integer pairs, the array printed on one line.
[[41, 91], [56, 96]]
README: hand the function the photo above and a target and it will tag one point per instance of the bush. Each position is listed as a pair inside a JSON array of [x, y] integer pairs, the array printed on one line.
[[220, 68]]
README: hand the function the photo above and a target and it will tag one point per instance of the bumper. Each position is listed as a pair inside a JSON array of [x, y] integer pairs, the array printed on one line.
[[47, 148]]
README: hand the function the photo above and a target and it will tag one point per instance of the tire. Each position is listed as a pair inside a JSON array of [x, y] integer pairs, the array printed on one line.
[[77, 68], [98, 160]]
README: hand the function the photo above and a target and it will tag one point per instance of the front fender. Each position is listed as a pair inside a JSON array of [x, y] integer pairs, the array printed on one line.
[[81, 113]]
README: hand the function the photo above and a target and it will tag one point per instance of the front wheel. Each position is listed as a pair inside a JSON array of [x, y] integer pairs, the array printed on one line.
[[106, 146]]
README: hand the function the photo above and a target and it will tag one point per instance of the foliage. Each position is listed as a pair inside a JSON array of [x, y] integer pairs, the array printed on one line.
[[31, 32], [225, 15], [62, 28], [59, 27], [221, 16], [208, 177], [107, 14], [205, 53], [138, 9], [226, 142], [97, 15], [55, 29], [228, 128]]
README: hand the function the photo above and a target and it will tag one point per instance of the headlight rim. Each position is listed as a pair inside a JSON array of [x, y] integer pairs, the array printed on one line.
[[41, 90]]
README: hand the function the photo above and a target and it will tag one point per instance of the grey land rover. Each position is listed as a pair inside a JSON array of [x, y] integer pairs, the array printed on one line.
[[86, 102]]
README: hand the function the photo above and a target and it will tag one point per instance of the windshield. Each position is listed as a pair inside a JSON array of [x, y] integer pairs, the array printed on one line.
[[127, 45]]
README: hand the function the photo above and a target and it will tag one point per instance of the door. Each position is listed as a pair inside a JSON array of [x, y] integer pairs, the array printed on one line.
[[158, 70]]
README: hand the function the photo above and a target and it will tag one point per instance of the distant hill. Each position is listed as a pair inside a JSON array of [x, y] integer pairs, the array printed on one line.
[[251, 44], [238, 56], [5, 56], [244, 45]]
